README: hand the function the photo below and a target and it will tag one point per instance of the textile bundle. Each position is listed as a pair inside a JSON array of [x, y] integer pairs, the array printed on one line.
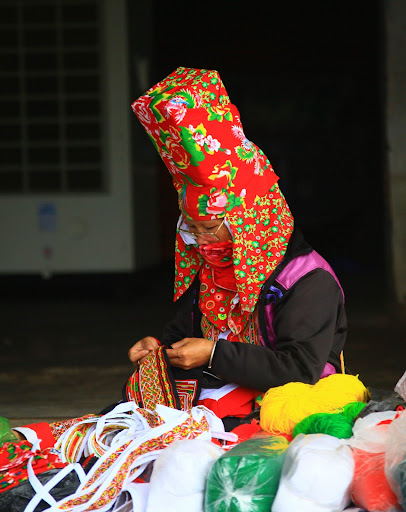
[[246, 477], [316, 476]]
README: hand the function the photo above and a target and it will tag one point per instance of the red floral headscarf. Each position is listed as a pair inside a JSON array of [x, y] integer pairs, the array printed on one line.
[[217, 173]]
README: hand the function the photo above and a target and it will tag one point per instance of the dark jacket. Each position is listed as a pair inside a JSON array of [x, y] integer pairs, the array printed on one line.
[[302, 325]]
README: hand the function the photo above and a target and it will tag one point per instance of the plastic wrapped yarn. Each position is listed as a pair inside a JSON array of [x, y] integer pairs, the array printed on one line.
[[178, 479], [401, 386], [284, 406], [395, 457], [370, 433], [316, 475], [246, 478], [370, 489], [399, 476]]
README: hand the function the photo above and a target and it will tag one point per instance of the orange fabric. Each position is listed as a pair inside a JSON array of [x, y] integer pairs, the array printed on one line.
[[247, 430], [370, 488], [44, 432], [237, 403]]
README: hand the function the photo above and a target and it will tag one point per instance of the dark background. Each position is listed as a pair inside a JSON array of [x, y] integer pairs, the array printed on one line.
[[308, 79]]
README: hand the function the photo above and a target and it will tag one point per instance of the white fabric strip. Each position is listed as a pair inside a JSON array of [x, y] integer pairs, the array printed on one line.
[[42, 491], [28, 433], [217, 394]]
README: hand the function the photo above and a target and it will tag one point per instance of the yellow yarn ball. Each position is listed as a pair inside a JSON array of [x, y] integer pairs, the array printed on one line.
[[284, 406]]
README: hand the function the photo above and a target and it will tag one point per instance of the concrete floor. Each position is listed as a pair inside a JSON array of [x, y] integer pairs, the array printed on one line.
[[65, 354]]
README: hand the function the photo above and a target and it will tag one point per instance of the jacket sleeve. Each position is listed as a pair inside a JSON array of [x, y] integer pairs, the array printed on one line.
[[306, 323], [181, 326]]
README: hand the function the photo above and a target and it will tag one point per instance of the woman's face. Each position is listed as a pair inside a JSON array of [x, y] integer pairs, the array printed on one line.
[[216, 227]]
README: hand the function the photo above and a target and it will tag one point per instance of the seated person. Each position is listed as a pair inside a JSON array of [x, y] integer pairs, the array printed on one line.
[[258, 307]]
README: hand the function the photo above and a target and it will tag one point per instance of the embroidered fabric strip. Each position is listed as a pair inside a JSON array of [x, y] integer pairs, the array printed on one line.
[[59, 427], [153, 383], [187, 392]]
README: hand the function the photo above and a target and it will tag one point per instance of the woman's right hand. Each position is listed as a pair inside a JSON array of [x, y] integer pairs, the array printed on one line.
[[141, 350]]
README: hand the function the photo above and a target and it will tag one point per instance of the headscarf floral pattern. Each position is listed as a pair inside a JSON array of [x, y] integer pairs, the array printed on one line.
[[217, 173], [260, 239]]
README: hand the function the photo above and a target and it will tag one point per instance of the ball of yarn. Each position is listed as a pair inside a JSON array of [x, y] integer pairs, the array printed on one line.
[[344, 388], [284, 406], [352, 410], [316, 476], [332, 424]]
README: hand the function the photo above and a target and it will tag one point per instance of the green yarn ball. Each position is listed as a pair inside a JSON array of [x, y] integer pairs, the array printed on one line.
[[338, 424], [333, 424], [352, 410]]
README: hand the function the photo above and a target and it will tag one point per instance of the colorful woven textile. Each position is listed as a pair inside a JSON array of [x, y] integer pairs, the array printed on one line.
[[59, 427], [152, 383]]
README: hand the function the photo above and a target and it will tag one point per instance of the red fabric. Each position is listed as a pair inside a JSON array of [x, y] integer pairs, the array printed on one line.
[[220, 258], [44, 432], [247, 430], [14, 459], [370, 488], [237, 403], [199, 136], [217, 279]]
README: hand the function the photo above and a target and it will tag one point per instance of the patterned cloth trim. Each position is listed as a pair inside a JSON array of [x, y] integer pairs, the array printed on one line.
[[152, 383], [59, 427]]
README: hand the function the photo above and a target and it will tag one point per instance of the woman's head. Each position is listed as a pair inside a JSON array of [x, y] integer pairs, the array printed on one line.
[[218, 174]]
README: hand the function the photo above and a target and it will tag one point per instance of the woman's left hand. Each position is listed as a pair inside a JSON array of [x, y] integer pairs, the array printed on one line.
[[190, 353]]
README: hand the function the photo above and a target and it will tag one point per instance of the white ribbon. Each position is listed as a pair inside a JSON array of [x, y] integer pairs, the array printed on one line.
[[42, 491]]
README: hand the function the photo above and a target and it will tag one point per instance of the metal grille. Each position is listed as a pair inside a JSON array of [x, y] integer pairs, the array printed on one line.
[[50, 97]]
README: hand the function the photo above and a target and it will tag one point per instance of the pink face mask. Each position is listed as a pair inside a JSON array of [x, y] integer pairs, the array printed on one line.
[[217, 255], [220, 258]]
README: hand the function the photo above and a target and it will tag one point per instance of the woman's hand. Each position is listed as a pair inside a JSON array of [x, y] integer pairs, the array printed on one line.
[[140, 351], [190, 353]]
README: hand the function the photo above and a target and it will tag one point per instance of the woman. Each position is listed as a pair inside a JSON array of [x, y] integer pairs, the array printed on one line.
[[258, 307]]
